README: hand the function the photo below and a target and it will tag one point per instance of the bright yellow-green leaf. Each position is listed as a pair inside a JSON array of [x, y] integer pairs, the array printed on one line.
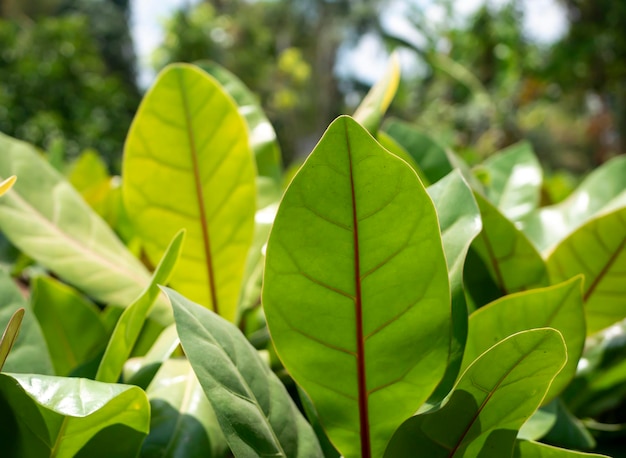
[[372, 109], [7, 184], [188, 164]]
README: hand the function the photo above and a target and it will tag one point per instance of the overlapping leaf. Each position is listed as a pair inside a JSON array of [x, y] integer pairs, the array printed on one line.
[[129, 325], [29, 353], [70, 324], [358, 316], [513, 262], [514, 180], [182, 422], [529, 449], [559, 307], [598, 251], [255, 412], [68, 417], [604, 189], [9, 335], [46, 218], [490, 403], [188, 164], [459, 219]]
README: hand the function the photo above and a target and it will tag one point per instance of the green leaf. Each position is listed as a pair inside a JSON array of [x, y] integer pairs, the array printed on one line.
[[513, 262], [490, 403], [391, 145], [569, 431], [604, 189], [527, 449], [182, 422], [429, 155], [559, 307], [542, 421], [10, 335], [358, 317], [129, 325], [263, 139], [515, 178], [459, 219], [141, 370], [46, 218], [57, 416], [29, 353], [254, 410], [598, 250], [373, 107], [70, 323], [188, 164]]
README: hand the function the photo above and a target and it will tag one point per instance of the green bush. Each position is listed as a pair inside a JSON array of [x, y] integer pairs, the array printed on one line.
[[391, 302]]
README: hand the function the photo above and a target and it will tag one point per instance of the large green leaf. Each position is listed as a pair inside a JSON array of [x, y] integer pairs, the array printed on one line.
[[490, 403], [46, 218], [431, 157], [597, 250], [129, 325], [514, 180], [262, 136], [528, 449], [373, 107], [356, 289], [254, 410], [182, 422], [188, 164], [459, 219], [29, 353], [559, 307], [602, 190], [513, 262], [70, 323], [46, 416]]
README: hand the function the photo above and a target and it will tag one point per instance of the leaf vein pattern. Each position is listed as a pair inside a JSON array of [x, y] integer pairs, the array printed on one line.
[[325, 218], [381, 208], [605, 269]]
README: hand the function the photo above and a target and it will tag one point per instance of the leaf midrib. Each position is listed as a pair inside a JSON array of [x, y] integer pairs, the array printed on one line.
[[199, 194], [360, 343]]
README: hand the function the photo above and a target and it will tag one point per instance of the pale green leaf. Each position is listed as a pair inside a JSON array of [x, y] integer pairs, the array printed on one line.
[[188, 164]]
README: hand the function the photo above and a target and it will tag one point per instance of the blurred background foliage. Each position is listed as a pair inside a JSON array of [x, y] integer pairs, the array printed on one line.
[[69, 74]]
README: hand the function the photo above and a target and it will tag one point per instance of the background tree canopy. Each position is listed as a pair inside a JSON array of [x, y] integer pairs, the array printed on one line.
[[479, 84]]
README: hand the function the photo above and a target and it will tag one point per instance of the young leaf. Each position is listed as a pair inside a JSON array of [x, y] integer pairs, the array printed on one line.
[[57, 417], [559, 307], [528, 449], [514, 180], [356, 289], [7, 184], [459, 219], [513, 262], [490, 403], [373, 107], [29, 353], [69, 322], [10, 335], [46, 218], [188, 164], [263, 139], [182, 422], [254, 410], [597, 250], [602, 190], [132, 320]]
